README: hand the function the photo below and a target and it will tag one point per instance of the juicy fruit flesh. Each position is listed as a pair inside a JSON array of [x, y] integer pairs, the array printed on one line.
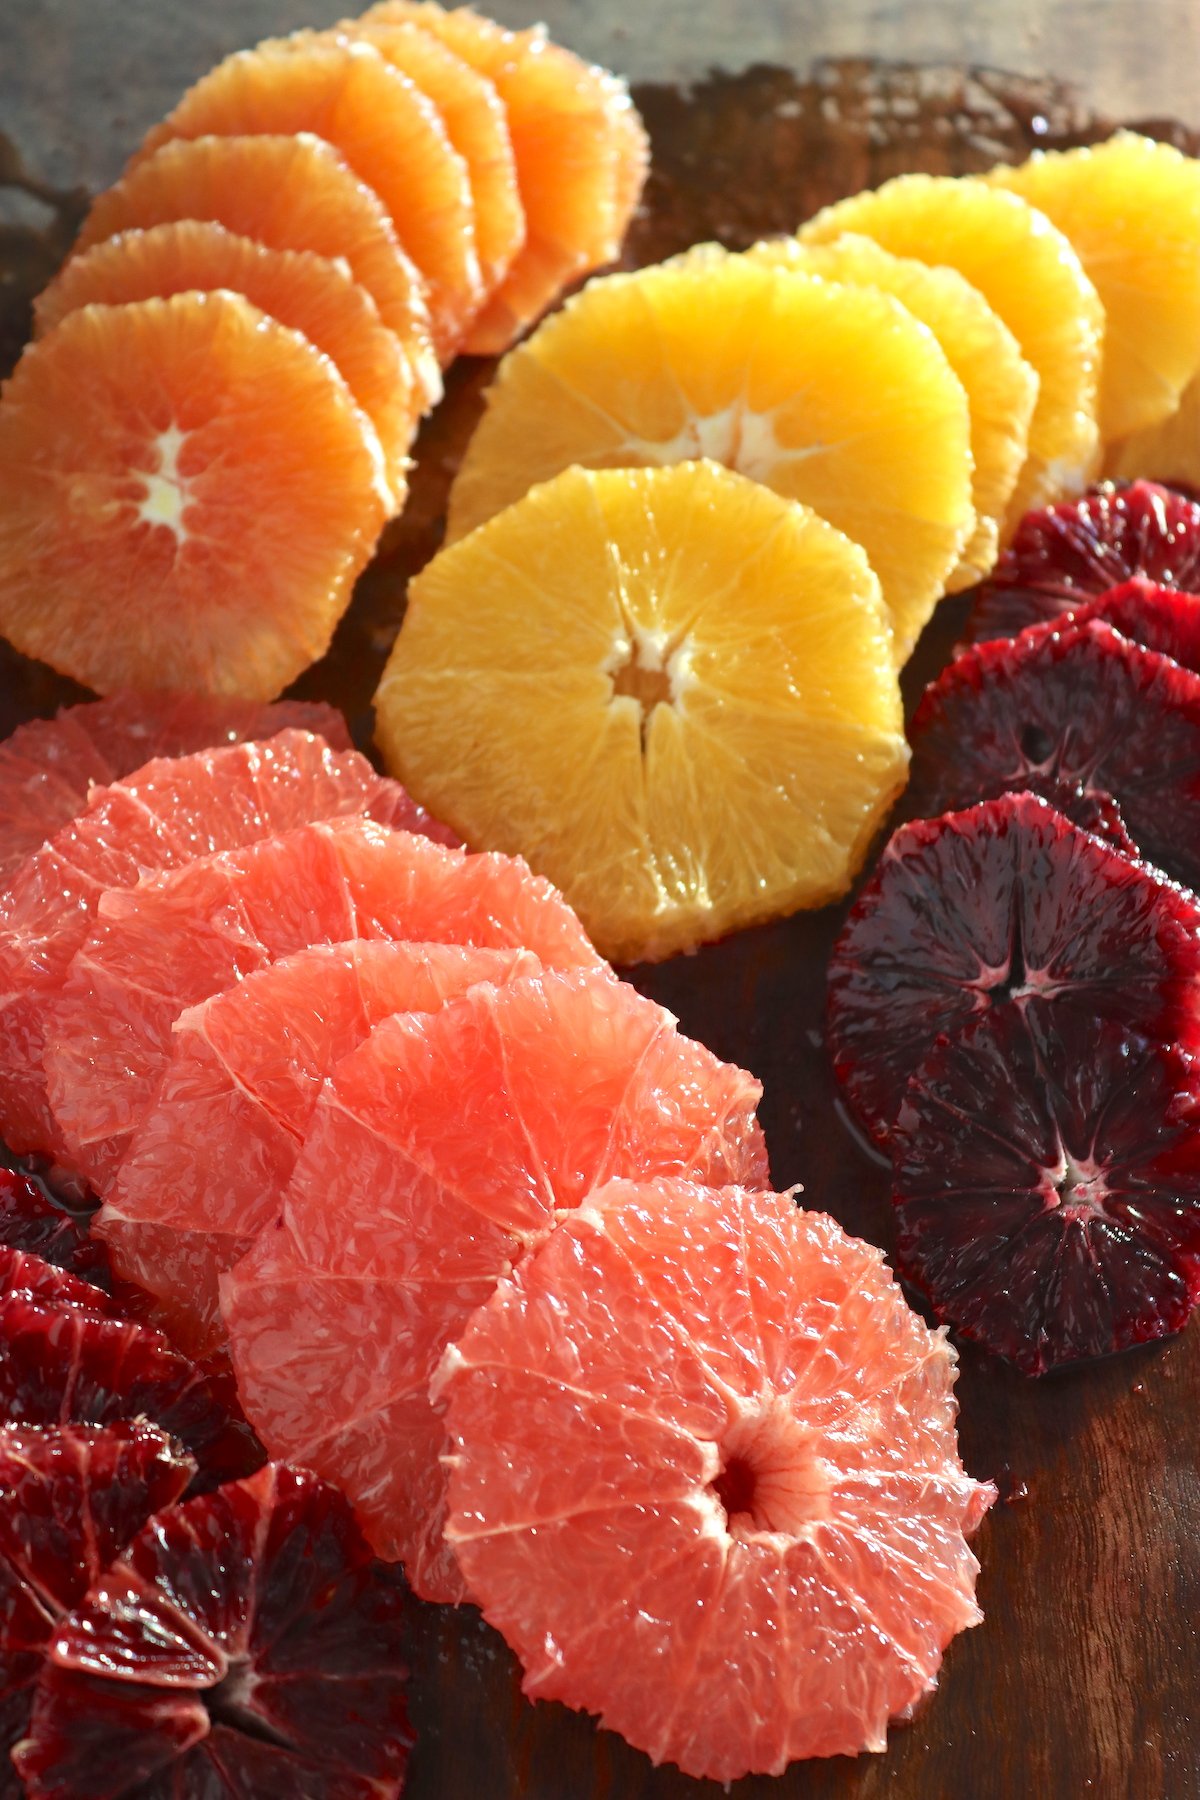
[[166, 814], [668, 1345], [310, 294], [1158, 618], [1079, 550], [1047, 1186], [830, 395], [30, 1221], [288, 193], [149, 535], [389, 133], [182, 936], [1030, 276], [707, 735], [1079, 715], [565, 1081], [1164, 452], [210, 1652]]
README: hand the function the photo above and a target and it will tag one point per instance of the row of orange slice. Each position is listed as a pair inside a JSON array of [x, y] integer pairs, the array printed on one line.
[[197, 456], [679, 701]]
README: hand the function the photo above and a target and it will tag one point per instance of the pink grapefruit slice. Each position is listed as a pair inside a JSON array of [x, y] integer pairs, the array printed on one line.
[[48, 765], [705, 1479], [165, 815], [245, 1070], [181, 937], [453, 1141]]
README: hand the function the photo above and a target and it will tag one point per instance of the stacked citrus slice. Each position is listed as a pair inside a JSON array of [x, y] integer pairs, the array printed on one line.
[[320, 223]]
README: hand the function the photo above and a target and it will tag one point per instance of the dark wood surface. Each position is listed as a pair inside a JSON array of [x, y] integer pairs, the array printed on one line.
[[1084, 1678]]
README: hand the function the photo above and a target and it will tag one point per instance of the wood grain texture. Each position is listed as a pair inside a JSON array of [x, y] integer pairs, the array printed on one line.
[[1084, 1679]]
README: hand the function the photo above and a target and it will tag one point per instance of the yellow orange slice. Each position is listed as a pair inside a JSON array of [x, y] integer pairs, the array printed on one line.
[[581, 155], [1168, 452], [1030, 276], [831, 395], [187, 492], [289, 193], [385, 128], [670, 690], [1131, 209], [311, 294]]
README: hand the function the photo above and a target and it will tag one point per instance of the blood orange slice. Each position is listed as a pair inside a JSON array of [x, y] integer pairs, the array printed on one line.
[[165, 815], [705, 1479], [386, 130], [289, 193], [311, 294], [453, 1141], [187, 493], [581, 156], [246, 1069], [178, 938], [48, 765]]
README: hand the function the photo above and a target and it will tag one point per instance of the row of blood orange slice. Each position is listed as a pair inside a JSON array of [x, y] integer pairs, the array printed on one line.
[[199, 452]]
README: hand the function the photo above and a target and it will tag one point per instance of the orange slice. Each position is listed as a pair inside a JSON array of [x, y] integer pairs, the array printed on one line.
[[1131, 208], [477, 126], [187, 492], [669, 690], [831, 395], [1030, 276], [289, 193], [311, 294], [581, 154], [389, 133], [1168, 452]]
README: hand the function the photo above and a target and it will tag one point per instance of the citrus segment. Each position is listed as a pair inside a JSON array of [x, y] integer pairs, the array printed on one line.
[[706, 1482], [669, 689], [384, 127], [831, 395], [187, 493], [311, 294], [1000, 386], [454, 1139], [213, 1153], [1131, 209], [580, 150], [48, 765], [166, 814], [1032, 279], [288, 193], [477, 126], [180, 937], [1167, 452]]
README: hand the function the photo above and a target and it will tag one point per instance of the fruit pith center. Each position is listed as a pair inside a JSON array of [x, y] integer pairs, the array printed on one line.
[[771, 1478], [167, 493], [1079, 1188], [649, 668]]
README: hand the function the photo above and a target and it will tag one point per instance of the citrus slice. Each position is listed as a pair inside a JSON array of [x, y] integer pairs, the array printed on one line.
[[1030, 276], [47, 766], [831, 395], [207, 1166], [705, 1479], [668, 689], [311, 294], [1131, 209], [477, 126], [288, 193], [453, 1140], [187, 493], [166, 814], [580, 149], [385, 128], [178, 938], [1000, 386], [1168, 452]]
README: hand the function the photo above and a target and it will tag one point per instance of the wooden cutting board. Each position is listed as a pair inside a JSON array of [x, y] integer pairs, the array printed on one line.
[[1083, 1680]]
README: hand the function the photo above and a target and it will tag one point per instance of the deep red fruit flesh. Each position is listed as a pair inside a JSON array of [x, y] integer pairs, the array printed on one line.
[[1072, 552], [31, 1220], [1081, 716], [1158, 618], [995, 906], [245, 1644], [70, 1501], [1047, 1186]]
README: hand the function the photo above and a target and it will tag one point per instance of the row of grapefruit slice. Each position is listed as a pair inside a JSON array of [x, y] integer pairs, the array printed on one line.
[[199, 453], [341, 1085]]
